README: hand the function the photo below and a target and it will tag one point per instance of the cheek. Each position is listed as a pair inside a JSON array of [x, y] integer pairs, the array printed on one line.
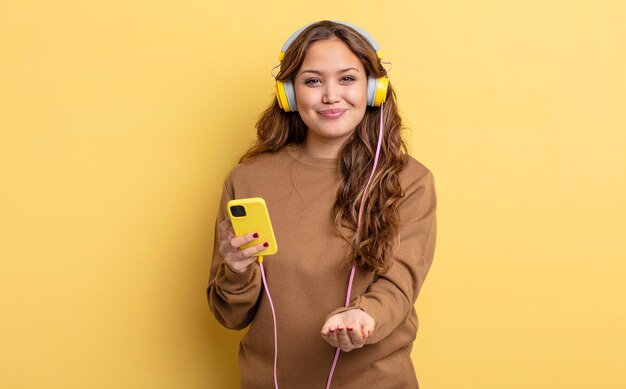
[[306, 97], [357, 96]]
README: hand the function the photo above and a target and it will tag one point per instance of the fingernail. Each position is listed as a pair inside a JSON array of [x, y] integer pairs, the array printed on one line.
[[331, 330], [349, 328], [255, 235], [340, 329], [266, 244]]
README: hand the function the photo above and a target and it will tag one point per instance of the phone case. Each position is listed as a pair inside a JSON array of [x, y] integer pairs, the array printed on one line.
[[256, 219]]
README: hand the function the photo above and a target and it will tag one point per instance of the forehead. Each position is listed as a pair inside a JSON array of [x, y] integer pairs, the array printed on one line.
[[331, 53]]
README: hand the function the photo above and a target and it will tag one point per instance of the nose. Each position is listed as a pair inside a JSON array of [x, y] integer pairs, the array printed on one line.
[[331, 94]]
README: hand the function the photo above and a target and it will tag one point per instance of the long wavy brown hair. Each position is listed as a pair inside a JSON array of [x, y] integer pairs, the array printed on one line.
[[373, 242]]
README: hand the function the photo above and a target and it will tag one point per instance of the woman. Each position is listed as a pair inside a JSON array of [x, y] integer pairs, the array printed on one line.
[[335, 206]]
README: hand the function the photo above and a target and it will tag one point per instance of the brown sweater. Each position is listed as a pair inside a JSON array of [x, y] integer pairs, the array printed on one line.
[[308, 278]]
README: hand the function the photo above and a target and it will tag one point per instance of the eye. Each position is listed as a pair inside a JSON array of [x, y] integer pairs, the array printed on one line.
[[347, 79], [312, 81]]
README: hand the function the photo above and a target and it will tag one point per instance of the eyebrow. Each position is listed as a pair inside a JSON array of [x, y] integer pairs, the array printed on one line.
[[321, 73]]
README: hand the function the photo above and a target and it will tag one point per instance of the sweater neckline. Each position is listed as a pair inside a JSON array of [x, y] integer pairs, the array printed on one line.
[[298, 153]]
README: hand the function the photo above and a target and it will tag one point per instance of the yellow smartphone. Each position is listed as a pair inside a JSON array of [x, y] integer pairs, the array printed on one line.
[[251, 215]]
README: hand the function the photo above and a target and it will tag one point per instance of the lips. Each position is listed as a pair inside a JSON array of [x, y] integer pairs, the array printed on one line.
[[331, 113]]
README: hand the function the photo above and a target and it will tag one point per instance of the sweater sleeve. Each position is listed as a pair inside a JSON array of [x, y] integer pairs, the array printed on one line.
[[390, 298], [233, 297]]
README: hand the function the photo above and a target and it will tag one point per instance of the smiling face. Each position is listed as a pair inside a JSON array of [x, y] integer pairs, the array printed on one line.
[[331, 93]]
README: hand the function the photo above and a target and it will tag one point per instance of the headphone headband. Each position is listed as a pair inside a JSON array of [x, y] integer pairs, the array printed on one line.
[[358, 29]]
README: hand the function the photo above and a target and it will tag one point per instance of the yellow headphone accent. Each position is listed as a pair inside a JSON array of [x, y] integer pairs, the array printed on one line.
[[280, 96]]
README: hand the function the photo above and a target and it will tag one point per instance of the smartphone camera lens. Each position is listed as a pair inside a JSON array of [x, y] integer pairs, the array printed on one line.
[[238, 210]]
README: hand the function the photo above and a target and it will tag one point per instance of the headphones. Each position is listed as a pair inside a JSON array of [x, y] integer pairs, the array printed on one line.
[[376, 87]]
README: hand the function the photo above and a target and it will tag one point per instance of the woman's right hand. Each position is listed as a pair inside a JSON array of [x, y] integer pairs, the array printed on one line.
[[237, 259]]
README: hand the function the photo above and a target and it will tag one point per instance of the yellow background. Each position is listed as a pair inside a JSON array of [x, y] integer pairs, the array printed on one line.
[[119, 120]]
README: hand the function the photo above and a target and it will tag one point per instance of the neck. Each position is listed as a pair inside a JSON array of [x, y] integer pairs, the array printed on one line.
[[323, 147]]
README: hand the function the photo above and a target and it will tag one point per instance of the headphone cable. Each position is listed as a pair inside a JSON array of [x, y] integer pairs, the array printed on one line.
[[269, 297], [358, 229]]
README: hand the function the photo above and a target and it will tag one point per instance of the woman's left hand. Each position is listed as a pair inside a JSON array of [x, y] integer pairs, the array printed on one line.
[[348, 330]]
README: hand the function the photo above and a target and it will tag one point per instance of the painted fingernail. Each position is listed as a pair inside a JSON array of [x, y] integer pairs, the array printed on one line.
[[266, 244], [349, 328], [255, 235]]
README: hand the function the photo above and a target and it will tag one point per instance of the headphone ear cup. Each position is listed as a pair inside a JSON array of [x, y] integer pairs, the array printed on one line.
[[286, 95], [377, 91], [382, 87]]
